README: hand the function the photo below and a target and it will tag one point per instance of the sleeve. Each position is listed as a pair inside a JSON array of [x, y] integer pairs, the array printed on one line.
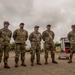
[[10, 34], [40, 37], [30, 37], [43, 36], [26, 36], [69, 36], [14, 34], [53, 35]]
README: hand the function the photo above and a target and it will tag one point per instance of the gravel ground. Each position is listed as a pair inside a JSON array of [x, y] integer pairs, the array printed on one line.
[[63, 68]]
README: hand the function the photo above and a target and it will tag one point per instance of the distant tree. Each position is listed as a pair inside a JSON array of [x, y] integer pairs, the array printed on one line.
[[12, 46], [57, 44]]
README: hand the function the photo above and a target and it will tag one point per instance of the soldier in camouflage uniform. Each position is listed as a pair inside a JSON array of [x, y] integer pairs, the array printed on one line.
[[48, 37], [1, 52], [71, 38], [5, 36], [35, 40], [20, 36]]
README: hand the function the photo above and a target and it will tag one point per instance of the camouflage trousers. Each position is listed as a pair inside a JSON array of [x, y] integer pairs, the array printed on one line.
[[72, 50], [35, 50], [49, 47], [20, 49], [1, 53], [5, 49]]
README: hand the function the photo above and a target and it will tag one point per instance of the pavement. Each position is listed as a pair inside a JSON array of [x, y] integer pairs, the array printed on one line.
[[62, 68]]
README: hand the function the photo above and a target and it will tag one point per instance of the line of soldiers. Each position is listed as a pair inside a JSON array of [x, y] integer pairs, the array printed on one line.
[[20, 37]]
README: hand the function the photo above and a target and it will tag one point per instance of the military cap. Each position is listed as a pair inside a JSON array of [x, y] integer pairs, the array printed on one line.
[[6, 22], [48, 25], [36, 26], [73, 26], [21, 23]]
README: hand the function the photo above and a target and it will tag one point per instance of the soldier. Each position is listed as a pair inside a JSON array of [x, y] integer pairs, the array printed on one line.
[[1, 52], [35, 40], [48, 37], [71, 38], [20, 36], [5, 36]]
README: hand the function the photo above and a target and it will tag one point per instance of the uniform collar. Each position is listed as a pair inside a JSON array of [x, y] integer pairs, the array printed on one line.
[[4, 29], [36, 32]]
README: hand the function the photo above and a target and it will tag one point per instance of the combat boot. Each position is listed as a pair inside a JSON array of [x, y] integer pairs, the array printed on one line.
[[38, 63], [6, 66], [23, 64], [32, 63], [53, 61], [16, 64], [46, 61], [70, 60]]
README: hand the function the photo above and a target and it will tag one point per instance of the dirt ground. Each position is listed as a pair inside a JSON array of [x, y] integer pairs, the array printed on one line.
[[62, 68]]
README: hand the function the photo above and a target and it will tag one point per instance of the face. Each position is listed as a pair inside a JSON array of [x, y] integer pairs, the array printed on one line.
[[36, 29], [48, 27], [21, 26], [73, 28], [6, 25]]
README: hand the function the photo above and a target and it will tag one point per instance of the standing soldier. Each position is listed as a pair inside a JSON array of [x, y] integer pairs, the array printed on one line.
[[5, 36], [1, 52], [20, 36], [35, 40], [48, 37], [71, 38]]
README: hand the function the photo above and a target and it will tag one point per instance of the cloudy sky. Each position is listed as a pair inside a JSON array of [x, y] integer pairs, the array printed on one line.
[[59, 13]]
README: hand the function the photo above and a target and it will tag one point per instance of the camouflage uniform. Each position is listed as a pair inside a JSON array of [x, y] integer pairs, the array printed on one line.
[[49, 44], [71, 38], [35, 39], [1, 52], [5, 36], [48, 37], [20, 36]]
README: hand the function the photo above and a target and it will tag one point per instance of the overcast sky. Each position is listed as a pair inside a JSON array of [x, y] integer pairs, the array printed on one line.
[[59, 13]]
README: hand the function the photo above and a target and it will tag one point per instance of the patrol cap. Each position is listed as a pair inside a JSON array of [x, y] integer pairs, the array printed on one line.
[[6, 22], [73, 26], [21, 23], [36, 26], [48, 25]]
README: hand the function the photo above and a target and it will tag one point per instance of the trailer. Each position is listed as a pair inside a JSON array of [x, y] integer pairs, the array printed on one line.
[[65, 46]]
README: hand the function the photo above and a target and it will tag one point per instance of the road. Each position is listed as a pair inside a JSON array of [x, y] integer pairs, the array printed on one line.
[[63, 68]]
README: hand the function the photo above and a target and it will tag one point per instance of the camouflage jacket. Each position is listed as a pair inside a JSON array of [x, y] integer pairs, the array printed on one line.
[[20, 36], [5, 35], [48, 36], [71, 36], [35, 37]]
